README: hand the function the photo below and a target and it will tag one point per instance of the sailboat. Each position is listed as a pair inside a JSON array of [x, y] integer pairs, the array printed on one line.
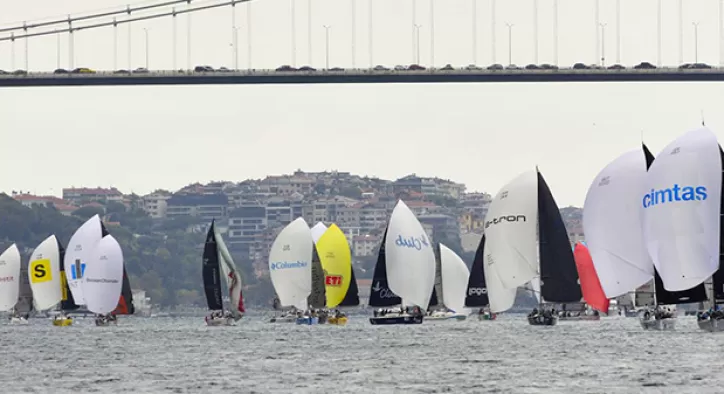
[[453, 278], [80, 246], [217, 260], [477, 294], [339, 281], [593, 294], [46, 280], [521, 249], [405, 270], [103, 280], [10, 283], [296, 274]]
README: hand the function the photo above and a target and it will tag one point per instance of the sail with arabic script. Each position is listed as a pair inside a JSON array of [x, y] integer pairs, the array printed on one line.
[[590, 285], [336, 259]]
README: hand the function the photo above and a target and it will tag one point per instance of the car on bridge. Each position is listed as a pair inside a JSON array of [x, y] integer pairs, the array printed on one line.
[[496, 67], [644, 66]]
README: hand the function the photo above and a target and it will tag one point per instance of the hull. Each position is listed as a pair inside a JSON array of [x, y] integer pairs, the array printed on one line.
[[690, 313], [404, 319], [215, 322], [631, 313], [666, 324], [337, 321], [63, 322], [542, 320], [18, 320], [451, 317], [283, 319], [711, 325], [100, 322], [580, 318], [307, 320]]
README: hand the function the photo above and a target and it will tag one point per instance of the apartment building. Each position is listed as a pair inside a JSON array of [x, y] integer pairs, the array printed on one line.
[[203, 206], [83, 195], [155, 204]]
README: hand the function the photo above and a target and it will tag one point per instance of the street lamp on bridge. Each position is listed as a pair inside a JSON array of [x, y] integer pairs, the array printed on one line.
[[145, 31], [510, 42], [417, 44], [696, 41], [326, 41], [603, 44]]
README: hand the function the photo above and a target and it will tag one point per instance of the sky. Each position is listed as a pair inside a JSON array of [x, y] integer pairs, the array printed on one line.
[[139, 139]]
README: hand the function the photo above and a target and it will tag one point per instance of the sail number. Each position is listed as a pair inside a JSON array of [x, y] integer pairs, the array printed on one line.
[[333, 280], [40, 271]]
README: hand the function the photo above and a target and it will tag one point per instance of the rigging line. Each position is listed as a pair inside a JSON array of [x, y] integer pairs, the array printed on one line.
[[114, 23], [69, 19]]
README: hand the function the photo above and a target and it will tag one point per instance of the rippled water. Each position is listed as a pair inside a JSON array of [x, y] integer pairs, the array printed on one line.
[[166, 355]]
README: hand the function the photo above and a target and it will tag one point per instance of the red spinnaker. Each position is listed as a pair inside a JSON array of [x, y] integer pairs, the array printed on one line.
[[590, 285]]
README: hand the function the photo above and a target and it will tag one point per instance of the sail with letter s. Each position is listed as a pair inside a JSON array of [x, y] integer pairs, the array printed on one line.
[[44, 274]]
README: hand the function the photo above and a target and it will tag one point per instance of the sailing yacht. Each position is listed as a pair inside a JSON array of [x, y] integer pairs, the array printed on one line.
[[593, 294], [10, 283], [296, 275], [492, 298], [405, 271], [77, 254], [339, 280], [526, 241], [216, 260], [47, 280], [451, 279], [103, 280]]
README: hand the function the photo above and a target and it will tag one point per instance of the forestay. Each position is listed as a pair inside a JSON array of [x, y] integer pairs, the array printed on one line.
[[104, 276], [681, 210], [510, 230], [290, 264], [612, 222], [44, 274], [410, 258], [9, 278], [79, 248]]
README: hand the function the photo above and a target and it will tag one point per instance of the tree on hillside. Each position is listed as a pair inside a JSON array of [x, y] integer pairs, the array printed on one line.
[[88, 211]]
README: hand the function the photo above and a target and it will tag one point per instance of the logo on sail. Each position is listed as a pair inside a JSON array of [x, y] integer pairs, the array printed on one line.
[[675, 193], [40, 270], [412, 242], [477, 291], [604, 181], [383, 291], [7, 278], [77, 269], [282, 265], [505, 218], [333, 280]]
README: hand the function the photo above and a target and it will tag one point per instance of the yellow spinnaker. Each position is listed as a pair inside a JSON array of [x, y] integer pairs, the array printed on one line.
[[336, 259]]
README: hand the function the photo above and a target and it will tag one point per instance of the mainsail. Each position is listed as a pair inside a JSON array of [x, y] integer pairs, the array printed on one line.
[[216, 261], [67, 303], [125, 302], [484, 286], [380, 293]]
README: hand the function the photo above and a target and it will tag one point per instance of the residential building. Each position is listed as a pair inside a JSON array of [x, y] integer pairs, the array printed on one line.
[[84, 195], [246, 223], [30, 200], [365, 245], [429, 186], [287, 184], [203, 206], [442, 228], [471, 221], [155, 204]]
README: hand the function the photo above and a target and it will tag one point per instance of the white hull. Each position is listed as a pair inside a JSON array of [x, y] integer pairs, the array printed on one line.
[[283, 319], [711, 325], [18, 320], [224, 321], [666, 324]]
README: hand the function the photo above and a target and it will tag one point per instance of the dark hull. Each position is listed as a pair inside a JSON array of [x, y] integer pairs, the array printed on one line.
[[380, 320], [543, 321]]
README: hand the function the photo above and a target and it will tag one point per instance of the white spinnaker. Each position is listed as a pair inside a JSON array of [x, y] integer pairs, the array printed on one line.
[[104, 276], [612, 222], [290, 264], [681, 210], [511, 225], [410, 258], [80, 246], [44, 274], [232, 276], [318, 230], [9, 278], [455, 275]]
